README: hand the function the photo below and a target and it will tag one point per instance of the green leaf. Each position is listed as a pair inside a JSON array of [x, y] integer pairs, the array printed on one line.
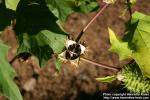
[[62, 8], [119, 47], [138, 38], [141, 42], [85, 8], [42, 45], [11, 4], [32, 18], [107, 79], [41, 38], [7, 73], [54, 40]]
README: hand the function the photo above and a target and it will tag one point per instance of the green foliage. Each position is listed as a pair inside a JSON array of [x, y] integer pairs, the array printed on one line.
[[118, 46], [80, 2], [45, 37], [140, 42], [134, 80], [137, 37], [12, 4], [88, 7], [38, 34], [62, 8], [107, 79], [7, 73], [42, 45]]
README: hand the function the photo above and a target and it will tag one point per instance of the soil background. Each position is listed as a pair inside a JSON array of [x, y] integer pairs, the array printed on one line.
[[75, 83]]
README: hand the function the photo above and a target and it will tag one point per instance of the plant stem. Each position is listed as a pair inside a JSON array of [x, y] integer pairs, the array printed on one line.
[[129, 8], [13, 59], [100, 64], [92, 20]]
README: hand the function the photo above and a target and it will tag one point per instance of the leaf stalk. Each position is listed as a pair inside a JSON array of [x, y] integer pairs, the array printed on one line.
[[101, 65], [91, 21]]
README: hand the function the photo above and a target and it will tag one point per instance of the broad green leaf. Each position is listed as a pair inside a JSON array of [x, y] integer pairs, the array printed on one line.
[[7, 73], [138, 38], [119, 47], [38, 33], [11, 4], [32, 18], [107, 79], [0, 1], [141, 42], [54, 40], [62, 8], [42, 45]]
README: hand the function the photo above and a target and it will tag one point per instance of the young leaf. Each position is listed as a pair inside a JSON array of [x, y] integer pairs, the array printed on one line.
[[107, 79], [11, 4], [119, 47], [7, 73]]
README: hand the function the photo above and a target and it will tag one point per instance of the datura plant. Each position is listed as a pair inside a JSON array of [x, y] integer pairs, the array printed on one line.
[[38, 26]]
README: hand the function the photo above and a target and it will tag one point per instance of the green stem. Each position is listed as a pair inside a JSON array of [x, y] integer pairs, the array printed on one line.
[[129, 8]]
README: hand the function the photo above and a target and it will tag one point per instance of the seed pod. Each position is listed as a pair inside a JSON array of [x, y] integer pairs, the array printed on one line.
[[133, 80]]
